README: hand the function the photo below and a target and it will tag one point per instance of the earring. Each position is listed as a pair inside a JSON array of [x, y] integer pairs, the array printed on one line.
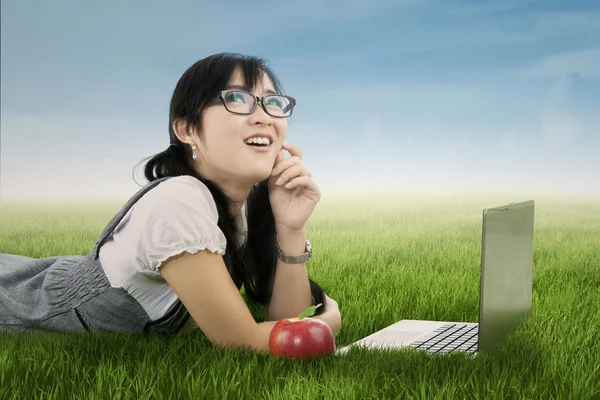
[[194, 155]]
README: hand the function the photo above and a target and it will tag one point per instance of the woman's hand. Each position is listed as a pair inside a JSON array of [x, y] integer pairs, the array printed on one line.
[[330, 304], [292, 191], [332, 315]]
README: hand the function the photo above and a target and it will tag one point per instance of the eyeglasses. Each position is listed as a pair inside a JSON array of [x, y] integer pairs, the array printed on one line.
[[241, 102]]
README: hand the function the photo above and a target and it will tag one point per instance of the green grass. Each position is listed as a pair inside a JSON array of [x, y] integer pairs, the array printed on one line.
[[382, 259]]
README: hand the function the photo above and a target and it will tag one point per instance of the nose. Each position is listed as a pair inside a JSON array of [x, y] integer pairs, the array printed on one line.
[[260, 115]]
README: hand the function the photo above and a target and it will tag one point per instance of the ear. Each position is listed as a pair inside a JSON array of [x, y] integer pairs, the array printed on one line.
[[180, 127]]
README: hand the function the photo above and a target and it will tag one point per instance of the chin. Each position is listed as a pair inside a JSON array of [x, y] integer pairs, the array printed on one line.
[[256, 179]]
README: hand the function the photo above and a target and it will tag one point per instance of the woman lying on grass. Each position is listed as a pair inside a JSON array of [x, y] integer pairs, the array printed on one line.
[[223, 208]]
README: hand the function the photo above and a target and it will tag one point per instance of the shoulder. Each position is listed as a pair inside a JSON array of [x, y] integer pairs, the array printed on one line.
[[177, 215], [178, 194]]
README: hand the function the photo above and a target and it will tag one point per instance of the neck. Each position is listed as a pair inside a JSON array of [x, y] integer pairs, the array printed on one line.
[[237, 191], [236, 207]]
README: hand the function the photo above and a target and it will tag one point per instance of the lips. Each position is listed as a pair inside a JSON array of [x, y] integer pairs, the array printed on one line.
[[263, 149], [262, 136]]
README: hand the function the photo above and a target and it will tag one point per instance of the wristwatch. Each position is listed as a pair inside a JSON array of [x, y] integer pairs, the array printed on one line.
[[301, 259]]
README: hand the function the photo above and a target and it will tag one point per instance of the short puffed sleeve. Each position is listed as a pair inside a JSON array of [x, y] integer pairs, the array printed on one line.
[[178, 215]]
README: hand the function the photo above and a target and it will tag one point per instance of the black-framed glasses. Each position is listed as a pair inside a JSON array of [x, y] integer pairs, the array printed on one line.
[[242, 102]]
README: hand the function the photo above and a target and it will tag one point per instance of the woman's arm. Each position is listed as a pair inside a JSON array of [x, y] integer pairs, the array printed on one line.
[[203, 284], [331, 316]]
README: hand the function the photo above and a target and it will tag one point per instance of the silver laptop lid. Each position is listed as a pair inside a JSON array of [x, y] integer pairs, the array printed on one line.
[[506, 270]]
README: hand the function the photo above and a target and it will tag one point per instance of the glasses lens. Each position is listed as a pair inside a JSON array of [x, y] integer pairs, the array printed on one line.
[[239, 102], [279, 106], [243, 103]]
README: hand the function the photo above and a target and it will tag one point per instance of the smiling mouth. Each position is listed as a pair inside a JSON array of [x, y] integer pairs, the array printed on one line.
[[258, 145]]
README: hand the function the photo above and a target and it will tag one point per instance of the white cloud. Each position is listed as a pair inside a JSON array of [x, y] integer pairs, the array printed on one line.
[[471, 25], [479, 9], [560, 129], [580, 23], [373, 128], [555, 152], [429, 136], [516, 143], [316, 10], [585, 62], [54, 156]]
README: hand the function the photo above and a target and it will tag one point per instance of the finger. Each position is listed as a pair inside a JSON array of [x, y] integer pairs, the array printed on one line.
[[285, 164], [292, 172], [329, 299], [280, 157], [331, 302], [301, 181], [292, 149]]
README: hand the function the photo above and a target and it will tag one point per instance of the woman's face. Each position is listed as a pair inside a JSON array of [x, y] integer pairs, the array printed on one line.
[[224, 156]]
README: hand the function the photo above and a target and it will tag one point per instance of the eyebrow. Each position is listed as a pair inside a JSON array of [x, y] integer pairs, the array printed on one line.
[[247, 89]]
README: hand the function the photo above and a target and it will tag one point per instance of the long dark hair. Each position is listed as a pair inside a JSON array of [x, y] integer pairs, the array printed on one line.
[[253, 263]]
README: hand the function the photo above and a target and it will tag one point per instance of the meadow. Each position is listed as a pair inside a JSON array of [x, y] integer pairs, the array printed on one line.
[[382, 257]]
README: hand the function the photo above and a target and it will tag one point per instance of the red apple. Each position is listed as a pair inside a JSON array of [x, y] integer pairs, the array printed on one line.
[[301, 337]]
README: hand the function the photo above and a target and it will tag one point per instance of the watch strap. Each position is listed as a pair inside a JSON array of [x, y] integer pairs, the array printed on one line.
[[299, 259]]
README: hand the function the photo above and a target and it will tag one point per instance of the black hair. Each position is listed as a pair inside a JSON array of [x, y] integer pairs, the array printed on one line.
[[253, 263]]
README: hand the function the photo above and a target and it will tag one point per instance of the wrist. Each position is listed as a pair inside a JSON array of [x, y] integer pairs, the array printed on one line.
[[283, 231], [291, 242]]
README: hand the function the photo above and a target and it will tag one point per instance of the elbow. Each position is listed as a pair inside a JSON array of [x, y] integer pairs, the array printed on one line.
[[251, 344]]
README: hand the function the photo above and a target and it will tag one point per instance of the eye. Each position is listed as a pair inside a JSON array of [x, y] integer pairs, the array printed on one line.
[[274, 101], [236, 97]]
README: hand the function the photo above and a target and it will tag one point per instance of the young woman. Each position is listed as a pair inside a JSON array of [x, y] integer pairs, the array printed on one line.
[[223, 208]]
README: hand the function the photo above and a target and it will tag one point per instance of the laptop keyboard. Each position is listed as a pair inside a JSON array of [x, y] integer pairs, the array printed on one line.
[[450, 337]]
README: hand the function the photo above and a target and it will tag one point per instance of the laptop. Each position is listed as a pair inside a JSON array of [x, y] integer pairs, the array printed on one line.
[[504, 292]]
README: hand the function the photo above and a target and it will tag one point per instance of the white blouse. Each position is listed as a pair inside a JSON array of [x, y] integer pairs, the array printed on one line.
[[177, 215]]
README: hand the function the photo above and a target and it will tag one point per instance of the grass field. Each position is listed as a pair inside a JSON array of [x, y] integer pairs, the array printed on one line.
[[382, 258]]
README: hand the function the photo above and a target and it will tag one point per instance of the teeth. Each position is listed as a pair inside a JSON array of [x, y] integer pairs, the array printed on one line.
[[258, 140]]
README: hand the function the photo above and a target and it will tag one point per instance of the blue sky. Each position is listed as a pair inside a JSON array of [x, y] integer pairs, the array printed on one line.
[[394, 95]]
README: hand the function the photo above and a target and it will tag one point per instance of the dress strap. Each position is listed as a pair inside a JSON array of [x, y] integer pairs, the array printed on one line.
[[119, 216]]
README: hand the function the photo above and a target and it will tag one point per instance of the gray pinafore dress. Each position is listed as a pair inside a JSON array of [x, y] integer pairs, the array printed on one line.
[[72, 293]]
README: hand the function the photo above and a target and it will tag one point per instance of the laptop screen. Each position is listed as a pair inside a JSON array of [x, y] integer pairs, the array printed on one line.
[[506, 271]]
